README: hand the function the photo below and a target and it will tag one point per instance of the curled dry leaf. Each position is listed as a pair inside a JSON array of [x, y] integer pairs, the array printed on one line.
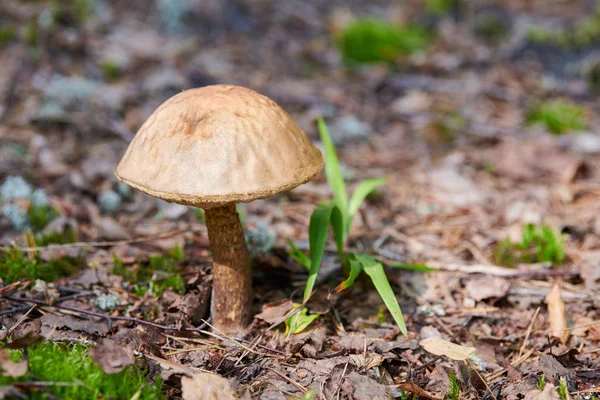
[[10, 368], [111, 356], [556, 315], [441, 347], [205, 386]]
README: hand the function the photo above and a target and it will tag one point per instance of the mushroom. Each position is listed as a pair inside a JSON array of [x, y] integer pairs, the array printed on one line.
[[213, 147]]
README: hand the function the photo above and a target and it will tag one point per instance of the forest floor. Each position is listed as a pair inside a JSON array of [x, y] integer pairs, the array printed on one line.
[[489, 140]]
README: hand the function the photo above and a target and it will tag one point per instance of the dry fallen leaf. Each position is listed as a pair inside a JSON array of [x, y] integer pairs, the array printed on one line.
[[75, 324], [10, 368], [111, 356], [273, 312], [556, 315], [487, 287], [205, 386], [549, 393], [441, 347]]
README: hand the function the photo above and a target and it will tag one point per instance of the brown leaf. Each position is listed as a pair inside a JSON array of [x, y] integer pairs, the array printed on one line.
[[414, 389], [205, 386], [8, 289], [10, 368], [171, 365], [590, 269], [486, 287], [553, 370], [534, 160], [556, 315], [111, 356], [441, 347], [10, 392], [365, 388], [549, 393], [27, 340], [273, 312], [75, 324]]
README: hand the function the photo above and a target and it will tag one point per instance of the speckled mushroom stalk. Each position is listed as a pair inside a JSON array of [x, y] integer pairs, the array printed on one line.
[[232, 275]]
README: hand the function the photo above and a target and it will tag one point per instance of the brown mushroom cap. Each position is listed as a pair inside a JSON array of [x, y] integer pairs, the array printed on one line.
[[217, 145]]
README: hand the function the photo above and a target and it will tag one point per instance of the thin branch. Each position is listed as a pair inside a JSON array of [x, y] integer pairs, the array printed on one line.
[[100, 244], [111, 318]]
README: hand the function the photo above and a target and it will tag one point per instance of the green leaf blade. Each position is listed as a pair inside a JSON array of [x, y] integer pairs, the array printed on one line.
[[317, 236], [333, 172], [298, 255], [364, 188], [375, 271], [355, 270]]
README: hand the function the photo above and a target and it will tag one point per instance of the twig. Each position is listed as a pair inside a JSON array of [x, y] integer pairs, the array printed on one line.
[[293, 382], [99, 315], [528, 332], [545, 292], [12, 328], [100, 244], [480, 377], [60, 300]]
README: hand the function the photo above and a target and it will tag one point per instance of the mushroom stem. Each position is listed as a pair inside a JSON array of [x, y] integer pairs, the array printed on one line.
[[232, 275]]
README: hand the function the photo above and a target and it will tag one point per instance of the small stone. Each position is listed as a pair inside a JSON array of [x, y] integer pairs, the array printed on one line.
[[39, 198], [15, 187], [69, 89], [164, 79], [349, 129], [123, 190], [109, 201], [107, 302], [16, 215], [260, 240]]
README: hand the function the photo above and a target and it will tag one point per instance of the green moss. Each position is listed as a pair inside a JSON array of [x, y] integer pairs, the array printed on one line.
[[541, 382], [370, 40], [110, 71], [159, 273], [53, 363], [562, 390], [440, 7], [41, 216], [69, 236], [490, 27], [539, 244], [557, 116], [583, 33], [30, 35], [6, 35], [453, 388], [16, 266]]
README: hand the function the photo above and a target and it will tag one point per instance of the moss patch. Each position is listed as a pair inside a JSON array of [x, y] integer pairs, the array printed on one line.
[[16, 266], [68, 363], [159, 273], [539, 244], [557, 116], [371, 40]]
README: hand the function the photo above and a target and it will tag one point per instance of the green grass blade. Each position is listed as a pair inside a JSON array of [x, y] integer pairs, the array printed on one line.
[[317, 236], [333, 171], [337, 225], [355, 270], [377, 275], [361, 192], [298, 255]]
